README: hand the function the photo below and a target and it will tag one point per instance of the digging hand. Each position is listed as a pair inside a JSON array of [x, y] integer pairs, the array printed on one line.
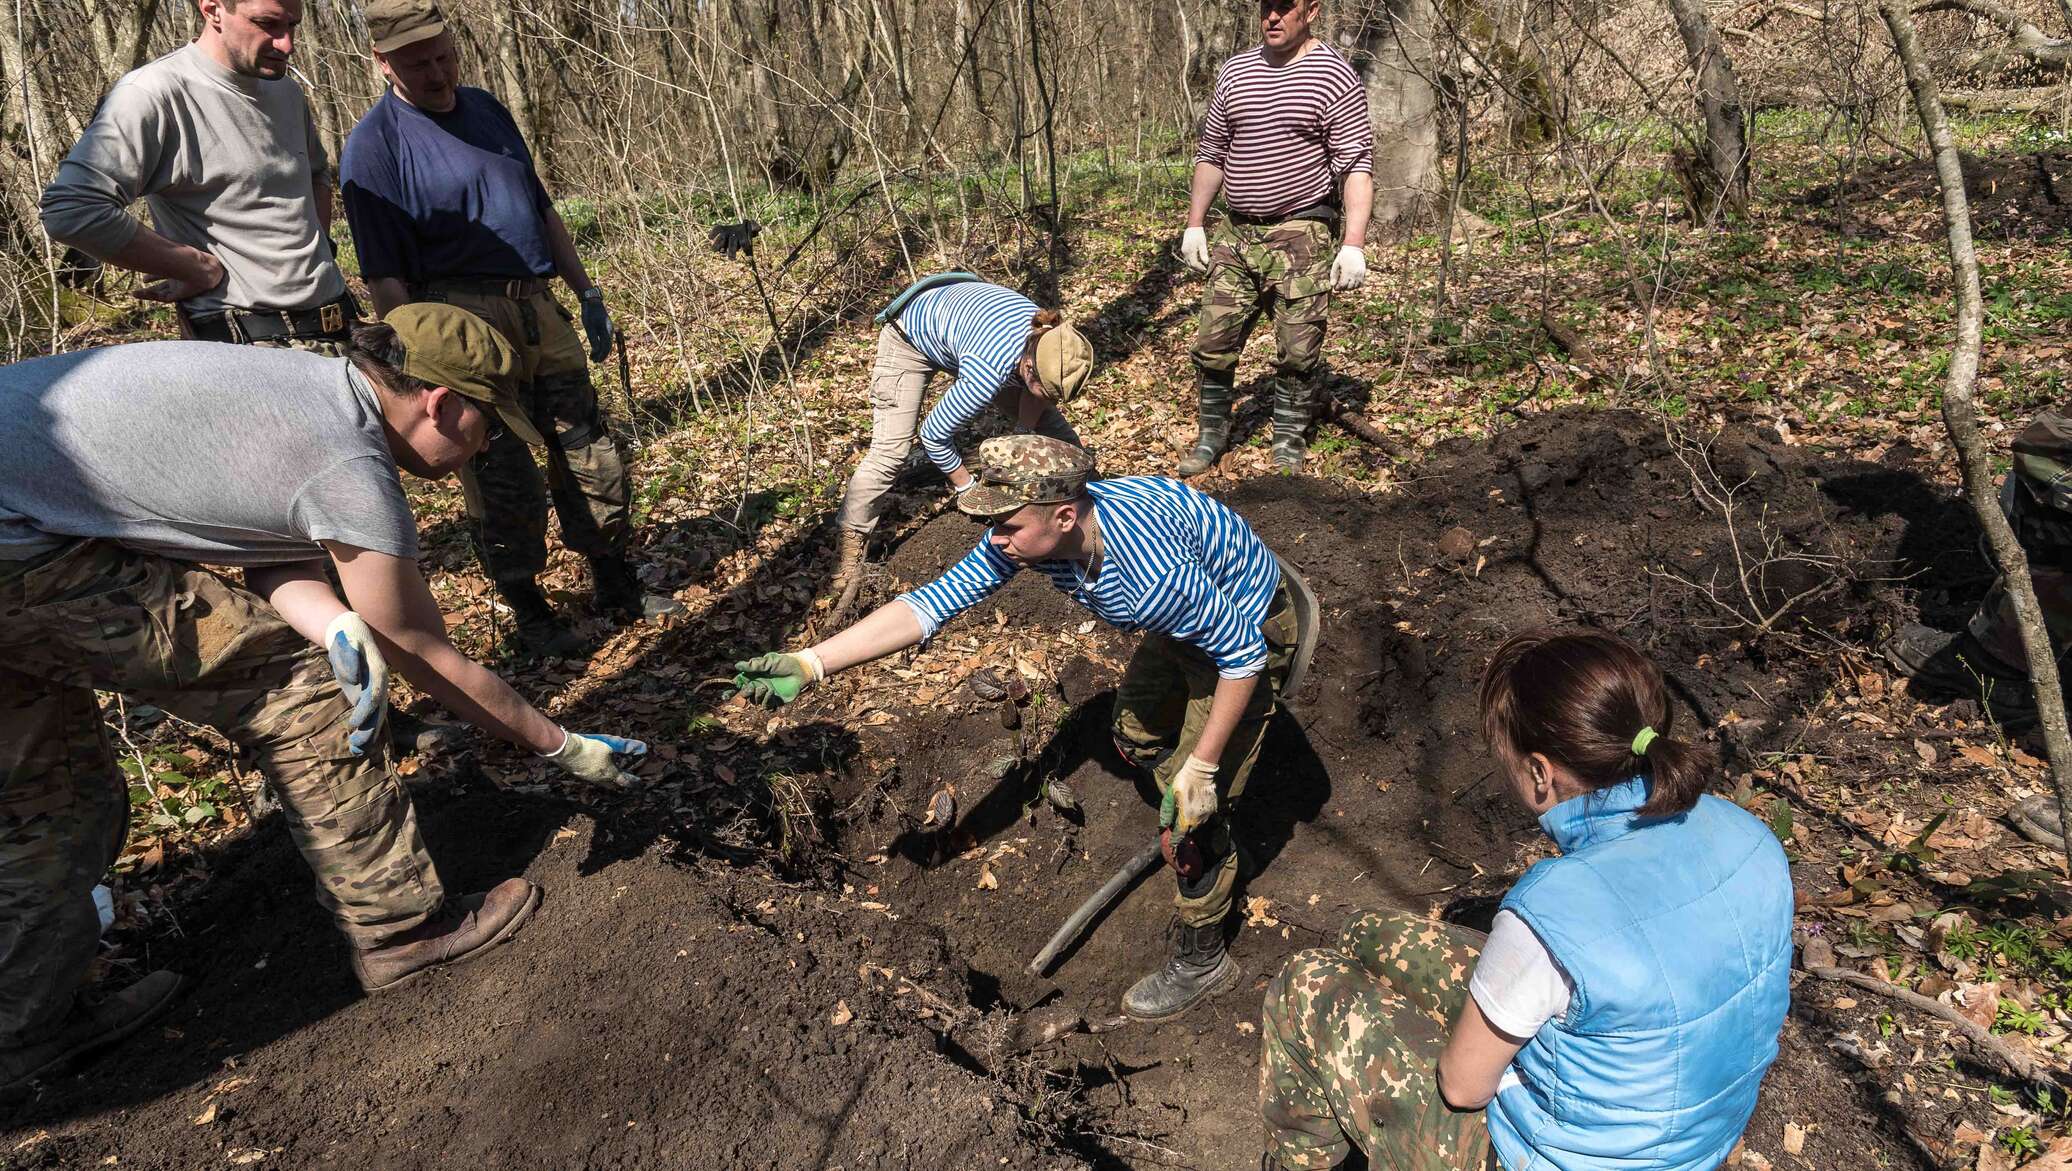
[[597, 325], [594, 758], [734, 239], [1191, 799], [1349, 271], [362, 675], [776, 679], [1194, 249]]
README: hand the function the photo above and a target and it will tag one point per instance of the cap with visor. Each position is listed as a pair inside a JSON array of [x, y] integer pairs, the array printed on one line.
[[445, 345], [392, 24], [1018, 470]]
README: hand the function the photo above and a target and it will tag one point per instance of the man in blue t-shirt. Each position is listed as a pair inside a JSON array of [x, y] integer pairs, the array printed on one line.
[[445, 205]]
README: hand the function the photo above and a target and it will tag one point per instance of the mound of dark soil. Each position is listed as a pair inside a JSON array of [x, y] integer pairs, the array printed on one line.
[[665, 1013], [1374, 788]]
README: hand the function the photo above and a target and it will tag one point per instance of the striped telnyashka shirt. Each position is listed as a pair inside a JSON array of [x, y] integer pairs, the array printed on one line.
[[1173, 561], [976, 332], [1286, 136]]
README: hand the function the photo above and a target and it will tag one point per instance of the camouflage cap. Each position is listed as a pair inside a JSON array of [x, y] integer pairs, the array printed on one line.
[[392, 24], [448, 346], [1015, 470]]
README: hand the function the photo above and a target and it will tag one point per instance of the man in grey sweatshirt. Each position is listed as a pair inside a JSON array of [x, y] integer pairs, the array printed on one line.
[[218, 141]]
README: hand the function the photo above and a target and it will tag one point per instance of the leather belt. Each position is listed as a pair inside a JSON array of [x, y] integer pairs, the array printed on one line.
[[513, 289], [1329, 213], [331, 321]]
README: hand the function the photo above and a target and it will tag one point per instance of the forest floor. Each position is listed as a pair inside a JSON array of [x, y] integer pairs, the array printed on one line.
[[767, 960]]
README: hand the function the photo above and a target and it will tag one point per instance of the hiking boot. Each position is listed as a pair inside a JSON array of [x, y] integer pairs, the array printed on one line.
[[1200, 967], [1944, 665], [2036, 818], [411, 736], [95, 1022], [461, 930], [848, 577], [620, 594], [538, 633]]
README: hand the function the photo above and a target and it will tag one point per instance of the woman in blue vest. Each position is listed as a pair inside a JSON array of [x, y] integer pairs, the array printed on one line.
[[1627, 1000], [1002, 352]]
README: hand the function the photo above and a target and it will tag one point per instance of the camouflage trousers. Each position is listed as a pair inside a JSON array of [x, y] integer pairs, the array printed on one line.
[[2037, 498], [1282, 269], [96, 616], [329, 349], [586, 475], [1161, 706], [1350, 1044]]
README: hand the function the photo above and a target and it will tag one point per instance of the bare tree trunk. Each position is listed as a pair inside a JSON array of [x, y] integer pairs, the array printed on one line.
[[512, 80], [1394, 51], [1720, 180], [1960, 408]]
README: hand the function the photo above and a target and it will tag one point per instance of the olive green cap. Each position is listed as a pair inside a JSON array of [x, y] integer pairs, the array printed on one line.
[[448, 346], [1016, 470], [392, 24], [1064, 358]]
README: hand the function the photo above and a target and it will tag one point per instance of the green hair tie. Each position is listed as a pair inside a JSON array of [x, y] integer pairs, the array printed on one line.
[[1642, 739]]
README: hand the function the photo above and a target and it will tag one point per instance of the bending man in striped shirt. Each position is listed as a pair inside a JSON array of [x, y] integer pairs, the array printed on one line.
[[1286, 140], [1143, 553], [1002, 351]]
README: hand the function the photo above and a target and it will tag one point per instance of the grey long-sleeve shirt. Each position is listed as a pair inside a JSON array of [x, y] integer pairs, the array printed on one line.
[[227, 164]]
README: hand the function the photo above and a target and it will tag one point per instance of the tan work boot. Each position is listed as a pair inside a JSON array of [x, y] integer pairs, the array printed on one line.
[[462, 930], [848, 577], [94, 1023]]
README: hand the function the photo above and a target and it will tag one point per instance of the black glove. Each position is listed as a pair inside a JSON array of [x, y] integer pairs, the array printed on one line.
[[734, 239]]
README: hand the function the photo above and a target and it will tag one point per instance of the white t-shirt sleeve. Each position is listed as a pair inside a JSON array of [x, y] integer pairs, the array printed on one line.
[[1516, 983]]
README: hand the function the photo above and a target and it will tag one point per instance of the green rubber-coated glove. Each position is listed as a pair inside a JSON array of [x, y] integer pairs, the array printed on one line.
[[776, 679]]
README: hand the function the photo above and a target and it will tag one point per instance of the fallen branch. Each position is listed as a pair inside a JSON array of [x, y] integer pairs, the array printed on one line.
[[1138, 865], [1960, 406], [1984, 1045], [2023, 37], [1361, 427], [2005, 101]]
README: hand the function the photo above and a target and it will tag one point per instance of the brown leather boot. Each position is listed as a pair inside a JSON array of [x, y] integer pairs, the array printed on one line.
[[463, 929], [95, 1022]]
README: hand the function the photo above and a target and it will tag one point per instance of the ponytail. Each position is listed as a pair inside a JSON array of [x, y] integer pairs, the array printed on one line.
[[1595, 705]]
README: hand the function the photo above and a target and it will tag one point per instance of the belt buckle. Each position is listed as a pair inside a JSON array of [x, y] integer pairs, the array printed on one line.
[[331, 318], [515, 290]]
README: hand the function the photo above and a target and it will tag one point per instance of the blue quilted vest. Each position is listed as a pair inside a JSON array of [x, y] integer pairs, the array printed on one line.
[[1677, 934]]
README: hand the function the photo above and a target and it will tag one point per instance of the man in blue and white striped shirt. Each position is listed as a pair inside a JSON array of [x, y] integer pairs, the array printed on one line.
[[1002, 351], [1143, 553]]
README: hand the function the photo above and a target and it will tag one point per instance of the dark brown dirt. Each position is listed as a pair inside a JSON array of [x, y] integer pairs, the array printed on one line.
[[667, 1010]]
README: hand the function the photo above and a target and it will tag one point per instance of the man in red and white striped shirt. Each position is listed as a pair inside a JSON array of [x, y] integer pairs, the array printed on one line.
[[1287, 142]]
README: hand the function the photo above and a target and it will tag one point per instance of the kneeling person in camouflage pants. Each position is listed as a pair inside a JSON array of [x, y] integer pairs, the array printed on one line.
[[120, 470]]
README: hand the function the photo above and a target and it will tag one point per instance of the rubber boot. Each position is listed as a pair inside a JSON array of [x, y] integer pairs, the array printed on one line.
[[1294, 404], [94, 1023], [848, 578], [1212, 432], [619, 594], [538, 633], [1200, 967]]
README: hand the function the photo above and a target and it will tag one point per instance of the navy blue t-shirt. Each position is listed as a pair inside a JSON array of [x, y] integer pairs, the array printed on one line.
[[450, 195]]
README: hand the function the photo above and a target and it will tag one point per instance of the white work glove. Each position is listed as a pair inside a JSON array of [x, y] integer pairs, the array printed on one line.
[[362, 675], [592, 757], [1192, 795], [1349, 271], [1194, 249]]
